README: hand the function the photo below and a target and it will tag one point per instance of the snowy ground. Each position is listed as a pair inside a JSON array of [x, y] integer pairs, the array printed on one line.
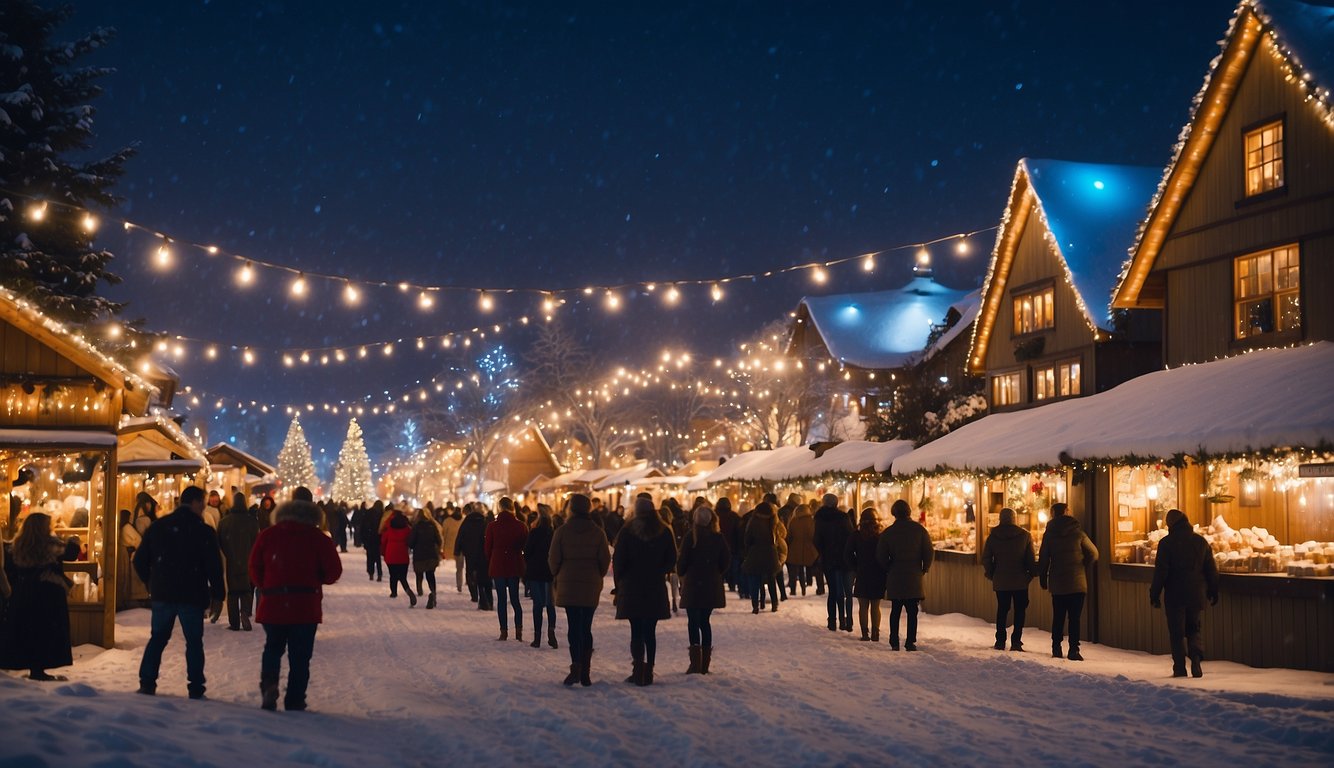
[[399, 686]]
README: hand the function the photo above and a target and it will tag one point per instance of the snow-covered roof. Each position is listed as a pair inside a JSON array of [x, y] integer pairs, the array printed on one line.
[[1091, 211], [1302, 36], [880, 329], [967, 307], [1262, 400], [56, 438], [627, 475], [796, 462], [248, 459], [590, 476], [856, 457]]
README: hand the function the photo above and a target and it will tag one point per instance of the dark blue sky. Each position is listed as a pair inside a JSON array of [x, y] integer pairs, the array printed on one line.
[[555, 145]]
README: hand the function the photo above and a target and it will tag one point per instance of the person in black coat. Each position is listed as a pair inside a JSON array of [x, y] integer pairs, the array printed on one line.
[[1184, 576], [181, 563], [368, 528], [832, 531], [36, 632], [538, 574], [869, 574], [705, 558], [337, 513], [645, 554], [729, 523], [471, 546]]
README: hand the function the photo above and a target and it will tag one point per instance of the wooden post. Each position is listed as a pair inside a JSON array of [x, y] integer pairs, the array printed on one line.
[[110, 549]]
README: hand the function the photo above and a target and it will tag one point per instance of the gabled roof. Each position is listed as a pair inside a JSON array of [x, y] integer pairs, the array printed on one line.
[[168, 429], [1301, 35], [968, 308], [1088, 212], [238, 458], [882, 329]]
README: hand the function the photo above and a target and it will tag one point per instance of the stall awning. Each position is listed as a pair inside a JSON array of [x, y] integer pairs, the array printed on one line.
[[159, 467], [1263, 400], [55, 439], [632, 475], [790, 463]]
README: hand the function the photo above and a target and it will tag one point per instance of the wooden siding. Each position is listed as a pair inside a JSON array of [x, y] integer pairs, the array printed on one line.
[[1217, 224]]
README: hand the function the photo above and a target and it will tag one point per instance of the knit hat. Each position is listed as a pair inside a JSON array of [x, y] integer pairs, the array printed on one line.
[[703, 515]]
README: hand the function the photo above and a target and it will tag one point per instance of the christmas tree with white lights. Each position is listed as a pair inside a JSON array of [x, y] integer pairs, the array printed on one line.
[[352, 475], [295, 465]]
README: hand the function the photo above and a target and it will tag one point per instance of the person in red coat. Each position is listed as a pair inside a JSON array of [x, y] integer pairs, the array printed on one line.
[[395, 535], [503, 543], [289, 564]]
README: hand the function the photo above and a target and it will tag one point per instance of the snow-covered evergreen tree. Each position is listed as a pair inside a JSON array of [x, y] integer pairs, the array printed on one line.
[[46, 132], [352, 474], [295, 465]]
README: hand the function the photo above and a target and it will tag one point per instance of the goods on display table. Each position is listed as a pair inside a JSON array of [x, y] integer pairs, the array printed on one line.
[[1244, 550]]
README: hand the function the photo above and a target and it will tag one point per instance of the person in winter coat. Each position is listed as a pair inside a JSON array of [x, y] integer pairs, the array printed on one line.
[[291, 562], [832, 531], [237, 532], [470, 544], [337, 514], [1063, 560], [704, 560], [266, 507], [728, 524], [502, 542], [369, 530], [397, 552], [760, 561], [449, 535], [645, 555], [1008, 563], [213, 510], [801, 554], [536, 548], [579, 559], [905, 552], [425, 543], [145, 512], [36, 631], [1184, 576], [180, 562], [868, 574], [613, 521]]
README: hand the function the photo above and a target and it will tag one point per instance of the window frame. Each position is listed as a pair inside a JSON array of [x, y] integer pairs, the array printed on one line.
[[1054, 365], [1274, 295], [993, 379], [1032, 289], [1262, 192]]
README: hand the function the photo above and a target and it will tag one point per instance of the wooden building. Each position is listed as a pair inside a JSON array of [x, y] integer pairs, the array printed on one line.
[[234, 470], [1045, 330], [64, 401]]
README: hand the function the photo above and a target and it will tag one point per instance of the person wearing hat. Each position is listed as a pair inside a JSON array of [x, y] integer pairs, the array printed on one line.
[[905, 552], [704, 560], [1064, 558], [1184, 575], [1008, 563], [832, 531]]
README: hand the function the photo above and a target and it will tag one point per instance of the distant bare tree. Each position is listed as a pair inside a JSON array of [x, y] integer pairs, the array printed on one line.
[[567, 388], [774, 400], [483, 408]]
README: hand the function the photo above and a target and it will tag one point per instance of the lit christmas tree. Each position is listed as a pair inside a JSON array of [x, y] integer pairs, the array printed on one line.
[[352, 475], [295, 466]]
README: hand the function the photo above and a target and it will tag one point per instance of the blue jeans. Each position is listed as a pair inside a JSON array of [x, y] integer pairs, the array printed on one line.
[[579, 632], [298, 640], [508, 587], [165, 616], [698, 627], [839, 601], [542, 601]]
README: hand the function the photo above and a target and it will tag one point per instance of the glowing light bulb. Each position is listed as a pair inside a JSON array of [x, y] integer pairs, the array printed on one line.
[[819, 275], [388, 350], [923, 257], [716, 292], [350, 294], [299, 285], [114, 331], [163, 256], [212, 250], [868, 264], [246, 275], [248, 357], [211, 353], [613, 301], [425, 301], [485, 302], [1151, 492], [89, 223], [548, 305], [961, 247], [671, 296]]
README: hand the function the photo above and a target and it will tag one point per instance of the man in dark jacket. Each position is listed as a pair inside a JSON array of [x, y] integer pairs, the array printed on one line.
[[1008, 563], [180, 562], [832, 531], [369, 529], [1185, 571], [471, 546], [1064, 558], [337, 514], [237, 532]]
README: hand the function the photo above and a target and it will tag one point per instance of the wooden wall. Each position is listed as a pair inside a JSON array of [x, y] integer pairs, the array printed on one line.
[[1217, 224]]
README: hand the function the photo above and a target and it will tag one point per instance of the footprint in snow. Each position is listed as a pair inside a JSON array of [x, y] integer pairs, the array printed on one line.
[[78, 690]]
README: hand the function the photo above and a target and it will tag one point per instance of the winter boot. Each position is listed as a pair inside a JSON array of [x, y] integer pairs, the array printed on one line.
[[1000, 639], [866, 635], [1056, 650], [573, 677], [551, 637], [430, 601], [1178, 669], [518, 632], [1074, 655], [694, 668], [412, 599], [645, 675], [1016, 639], [893, 643], [504, 635], [586, 670], [705, 656], [268, 691], [1195, 669], [245, 622], [636, 672]]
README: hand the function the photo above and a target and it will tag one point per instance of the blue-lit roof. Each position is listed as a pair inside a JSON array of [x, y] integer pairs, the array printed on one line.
[[1307, 31], [1093, 211], [881, 329]]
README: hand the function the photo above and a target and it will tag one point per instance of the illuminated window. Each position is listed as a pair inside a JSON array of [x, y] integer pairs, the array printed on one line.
[[1033, 311], [1264, 158], [1005, 389], [1058, 380], [1267, 292]]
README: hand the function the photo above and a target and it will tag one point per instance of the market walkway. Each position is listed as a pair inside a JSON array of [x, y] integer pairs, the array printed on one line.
[[394, 686]]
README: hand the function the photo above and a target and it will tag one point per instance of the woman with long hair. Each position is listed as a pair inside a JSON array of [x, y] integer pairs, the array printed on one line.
[[579, 559], [704, 560], [761, 559], [394, 542], [645, 555], [868, 574], [145, 511], [425, 542], [536, 549], [37, 631]]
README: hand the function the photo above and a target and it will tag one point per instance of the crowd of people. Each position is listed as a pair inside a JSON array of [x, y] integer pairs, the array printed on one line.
[[662, 558]]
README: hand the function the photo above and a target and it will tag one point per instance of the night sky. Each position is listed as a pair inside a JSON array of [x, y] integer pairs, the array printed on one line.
[[556, 145]]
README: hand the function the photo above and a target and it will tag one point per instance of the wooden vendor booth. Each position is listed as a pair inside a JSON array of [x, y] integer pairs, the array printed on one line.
[[63, 402]]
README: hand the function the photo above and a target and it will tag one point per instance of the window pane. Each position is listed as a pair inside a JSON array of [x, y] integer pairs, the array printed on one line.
[[1289, 311]]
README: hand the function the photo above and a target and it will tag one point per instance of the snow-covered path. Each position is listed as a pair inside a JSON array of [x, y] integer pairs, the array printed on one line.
[[399, 686]]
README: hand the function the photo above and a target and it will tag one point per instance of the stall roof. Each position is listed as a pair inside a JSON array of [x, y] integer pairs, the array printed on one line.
[[56, 438], [238, 458], [590, 476], [162, 467], [968, 308], [169, 429], [1261, 400], [628, 475]]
